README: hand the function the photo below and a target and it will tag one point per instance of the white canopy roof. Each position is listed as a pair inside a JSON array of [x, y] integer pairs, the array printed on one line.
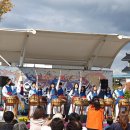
[[60, 48]]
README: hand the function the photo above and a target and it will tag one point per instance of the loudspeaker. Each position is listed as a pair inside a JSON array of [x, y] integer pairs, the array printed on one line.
[[3, 80], [104, 83]]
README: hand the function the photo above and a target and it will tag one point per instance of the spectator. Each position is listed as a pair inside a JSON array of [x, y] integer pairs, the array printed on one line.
[[109, 123], [123, 123], [57, 120], [20, 126], [74, 125], [95, 115], [74, 117], [8, 117], [14, 121], [38, 119], [57, 124]]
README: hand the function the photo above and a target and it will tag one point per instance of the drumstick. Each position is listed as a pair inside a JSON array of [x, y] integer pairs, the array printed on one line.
[[36, 77]]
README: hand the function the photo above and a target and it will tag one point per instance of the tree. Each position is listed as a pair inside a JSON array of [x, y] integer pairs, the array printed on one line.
[[5, 6]]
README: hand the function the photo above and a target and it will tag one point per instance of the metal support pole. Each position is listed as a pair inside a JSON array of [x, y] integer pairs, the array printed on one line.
[[5, 60]]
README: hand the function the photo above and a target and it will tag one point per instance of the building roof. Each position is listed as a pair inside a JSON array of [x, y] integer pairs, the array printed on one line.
[[126, 58], [60, 48], [126, 69]]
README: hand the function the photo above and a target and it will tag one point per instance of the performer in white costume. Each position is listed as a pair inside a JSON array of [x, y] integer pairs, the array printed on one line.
[[33, 91], [75, 92], [52, 95], [118, 94], [11, 90], [60, 87], [94, 93], [108, 95]]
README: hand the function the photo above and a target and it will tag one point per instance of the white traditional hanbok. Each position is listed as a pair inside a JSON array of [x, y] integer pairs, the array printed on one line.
[[118, 95]]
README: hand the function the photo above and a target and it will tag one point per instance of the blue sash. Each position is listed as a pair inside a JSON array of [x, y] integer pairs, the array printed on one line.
[[121, 95], [53, 94], [9, 89], [39, 93], [109, 95], [82, 94], [76, 93], [60, 92], [94, 94]]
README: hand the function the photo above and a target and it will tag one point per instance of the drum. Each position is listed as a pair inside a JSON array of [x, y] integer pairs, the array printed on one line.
[[77, 101], [123, 102], [56, 102], [108, 101], [33, 100], [42, 100], [11, 100], [101, 102], [63, 99], [84, 102]]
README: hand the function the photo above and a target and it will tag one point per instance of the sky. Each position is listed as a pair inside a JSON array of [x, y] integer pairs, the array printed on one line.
[[89, 16]]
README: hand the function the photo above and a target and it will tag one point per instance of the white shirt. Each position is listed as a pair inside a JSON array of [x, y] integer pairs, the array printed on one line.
[[90, 94], [116, 94], [5, 92]]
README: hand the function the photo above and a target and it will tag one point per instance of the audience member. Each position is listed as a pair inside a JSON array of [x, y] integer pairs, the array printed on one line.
[[54, 122], [74, 125], [39, 119], [109, 123], [95, 115], [74, 117], [57, 124], [20, 126], [123, 123], [8, 117]]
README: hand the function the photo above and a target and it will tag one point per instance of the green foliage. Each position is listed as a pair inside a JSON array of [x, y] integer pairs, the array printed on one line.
[[127, 94]]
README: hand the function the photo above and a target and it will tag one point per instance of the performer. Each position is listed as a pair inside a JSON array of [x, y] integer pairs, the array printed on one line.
[[21, 88], [34, 90], [118, 94], [40, 91], [107, 95], [61, 93], [9, 90], [83, 92], [94, 93], [60, 90], [75, 92], [51, 95]]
